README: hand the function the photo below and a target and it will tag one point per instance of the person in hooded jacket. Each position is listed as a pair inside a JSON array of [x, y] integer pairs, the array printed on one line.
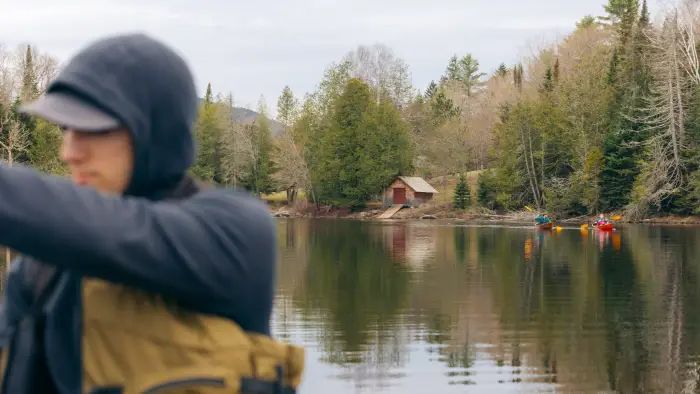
[[131, 277]]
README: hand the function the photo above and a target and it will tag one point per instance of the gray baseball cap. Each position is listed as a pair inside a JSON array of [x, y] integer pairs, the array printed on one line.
[[71, 111]]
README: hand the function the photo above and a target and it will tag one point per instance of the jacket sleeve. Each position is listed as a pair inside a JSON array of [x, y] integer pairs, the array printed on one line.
[[214, 247], [17, 298]]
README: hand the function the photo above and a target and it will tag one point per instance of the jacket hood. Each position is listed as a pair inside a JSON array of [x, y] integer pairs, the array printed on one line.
[[150, 89]]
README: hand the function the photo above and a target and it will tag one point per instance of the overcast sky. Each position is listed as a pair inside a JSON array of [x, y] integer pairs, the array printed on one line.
[[253, 49]]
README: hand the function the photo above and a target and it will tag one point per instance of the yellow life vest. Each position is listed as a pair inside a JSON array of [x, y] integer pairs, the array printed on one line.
[[134, 344]]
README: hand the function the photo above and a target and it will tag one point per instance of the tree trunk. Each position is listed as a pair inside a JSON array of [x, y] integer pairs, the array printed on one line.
[[8, 254], [538, 196], [672, 127], [291, 195], [527, 166]]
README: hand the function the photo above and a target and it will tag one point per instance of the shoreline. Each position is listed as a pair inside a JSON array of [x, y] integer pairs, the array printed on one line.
[[478, 216]]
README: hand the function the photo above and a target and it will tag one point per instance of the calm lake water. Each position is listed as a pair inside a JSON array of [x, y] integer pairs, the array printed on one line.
[[437, 307]]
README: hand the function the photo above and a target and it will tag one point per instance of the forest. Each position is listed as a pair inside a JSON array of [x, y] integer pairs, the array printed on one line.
[[604, 119]]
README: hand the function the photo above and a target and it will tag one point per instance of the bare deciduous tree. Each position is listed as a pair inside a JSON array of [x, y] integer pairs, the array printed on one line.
[[380, 68], [14, 139], [237, 146], [7, 77], [665, 112], [689, 20], [293, 173]]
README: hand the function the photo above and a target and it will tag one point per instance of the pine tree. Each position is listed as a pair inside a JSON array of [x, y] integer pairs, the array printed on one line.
[[612, 68], [29, 90], [547, 84], [486, 191], [208, 96], [364, 145], [502, 70], [287, 107], [518, 76], [586, 22], [462, 194], [208, 138], [629, 77], [443, 108], [622, 14], [431, 89], [43, 153], [452, 72]]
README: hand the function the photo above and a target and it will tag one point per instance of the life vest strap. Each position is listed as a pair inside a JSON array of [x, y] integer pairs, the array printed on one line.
[[257, 386], [248, 386]]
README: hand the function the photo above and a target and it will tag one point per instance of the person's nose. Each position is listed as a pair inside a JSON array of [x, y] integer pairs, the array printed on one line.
[[73, 147]]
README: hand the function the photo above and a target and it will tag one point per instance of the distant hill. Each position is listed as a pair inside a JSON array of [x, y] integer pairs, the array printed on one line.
[[247, 116]]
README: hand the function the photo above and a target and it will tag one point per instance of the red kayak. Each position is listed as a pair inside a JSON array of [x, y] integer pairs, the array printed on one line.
[[604, 227]]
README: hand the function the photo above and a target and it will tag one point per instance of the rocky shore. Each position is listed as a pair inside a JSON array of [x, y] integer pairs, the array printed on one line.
[[444, 212]]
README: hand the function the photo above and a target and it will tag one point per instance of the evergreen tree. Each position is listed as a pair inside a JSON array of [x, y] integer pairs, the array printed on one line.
[[547, 84], [622, 14], [486, 190], [518, 76], [287, 107], [208, 97], [443, 108], [502, 70], [337, 174], [462, 194], [628, 76], [29, 89], [364, 145], [452, 72], [208, 138], [612, 69], [43, 153], [586, 22], [431, 89], [464, 70]]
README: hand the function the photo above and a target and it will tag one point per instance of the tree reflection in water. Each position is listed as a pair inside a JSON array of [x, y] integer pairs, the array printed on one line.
[[392, 305]]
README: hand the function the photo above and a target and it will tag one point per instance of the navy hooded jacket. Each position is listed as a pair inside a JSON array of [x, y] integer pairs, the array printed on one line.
[[213, 252]]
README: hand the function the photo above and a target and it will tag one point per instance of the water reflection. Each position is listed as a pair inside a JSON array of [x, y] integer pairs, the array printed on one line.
[[431, 307]]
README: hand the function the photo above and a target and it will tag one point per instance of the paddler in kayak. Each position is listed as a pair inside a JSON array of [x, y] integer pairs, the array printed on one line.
[[543, 219], [601, 221]]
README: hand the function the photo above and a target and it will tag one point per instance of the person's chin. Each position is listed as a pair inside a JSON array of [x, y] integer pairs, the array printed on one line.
[[89, 185], [96, 186]]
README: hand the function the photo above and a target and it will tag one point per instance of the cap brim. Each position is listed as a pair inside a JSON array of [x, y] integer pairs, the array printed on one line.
[[70, 112]]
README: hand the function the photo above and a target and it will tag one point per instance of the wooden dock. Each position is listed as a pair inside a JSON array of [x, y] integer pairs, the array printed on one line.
[[391, 211]]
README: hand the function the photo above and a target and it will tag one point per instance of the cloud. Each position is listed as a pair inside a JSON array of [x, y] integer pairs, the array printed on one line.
[[252, 48]]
